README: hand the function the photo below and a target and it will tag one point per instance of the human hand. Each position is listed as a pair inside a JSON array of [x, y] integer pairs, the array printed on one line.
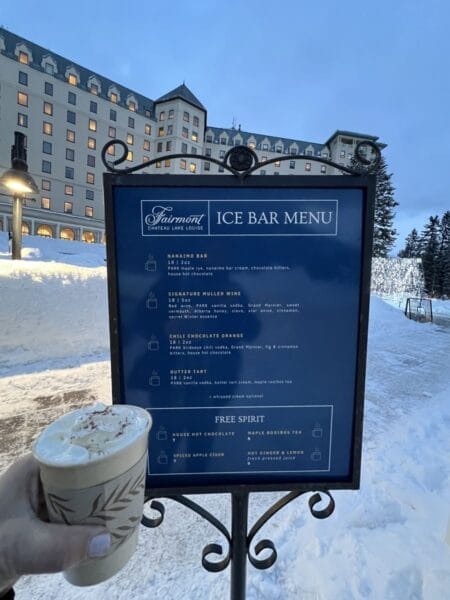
[[29, 544]]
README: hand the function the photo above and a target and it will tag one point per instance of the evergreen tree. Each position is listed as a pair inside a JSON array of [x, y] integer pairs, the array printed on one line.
[[384, 234], [446, 278], [412, 247], [430, 254], [442, 265]]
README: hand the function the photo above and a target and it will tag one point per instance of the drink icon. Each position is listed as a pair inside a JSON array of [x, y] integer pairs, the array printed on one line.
[[316, 455], [317, 432], [161, 434], [162, 458], [152, 302], [153, 344], [155, 379], [150, 264]]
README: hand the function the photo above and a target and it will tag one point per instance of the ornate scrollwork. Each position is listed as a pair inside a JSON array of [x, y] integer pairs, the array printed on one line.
[[265, 544], [241, 161]]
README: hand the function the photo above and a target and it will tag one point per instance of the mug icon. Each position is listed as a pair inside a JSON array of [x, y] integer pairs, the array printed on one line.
[[317, 432], [153, 345], [162, 458], [150, 265], [161, 436], [152, 302], [316, 455], [155, 379]]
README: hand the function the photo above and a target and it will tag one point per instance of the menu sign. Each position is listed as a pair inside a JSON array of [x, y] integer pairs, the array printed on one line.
[[238, 319]]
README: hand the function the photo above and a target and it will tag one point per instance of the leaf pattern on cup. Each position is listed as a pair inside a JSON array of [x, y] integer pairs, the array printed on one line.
[[102, 512]]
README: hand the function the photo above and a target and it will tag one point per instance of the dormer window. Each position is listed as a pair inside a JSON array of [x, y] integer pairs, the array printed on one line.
[[132, 106], [94, 89], [24, 58], [49, 68], [72, 79], [114, 97]]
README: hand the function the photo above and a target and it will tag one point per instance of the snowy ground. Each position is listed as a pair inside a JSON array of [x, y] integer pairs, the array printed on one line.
[[384, 542]]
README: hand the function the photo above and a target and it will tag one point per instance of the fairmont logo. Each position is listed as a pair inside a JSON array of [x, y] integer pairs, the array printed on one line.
[[163, 215]]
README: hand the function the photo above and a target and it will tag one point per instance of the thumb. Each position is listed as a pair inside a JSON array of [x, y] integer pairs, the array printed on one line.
[[52, 547]]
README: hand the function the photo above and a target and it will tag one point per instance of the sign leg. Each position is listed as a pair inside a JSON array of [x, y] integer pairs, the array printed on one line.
[[239, 521]]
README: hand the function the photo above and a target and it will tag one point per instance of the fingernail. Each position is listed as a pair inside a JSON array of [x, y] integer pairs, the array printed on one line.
[[99, 545]]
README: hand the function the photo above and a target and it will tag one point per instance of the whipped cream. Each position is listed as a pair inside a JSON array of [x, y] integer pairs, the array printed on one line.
[[90, 433]]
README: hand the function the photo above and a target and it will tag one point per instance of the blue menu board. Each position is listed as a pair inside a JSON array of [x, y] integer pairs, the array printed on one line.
[[237, 325]]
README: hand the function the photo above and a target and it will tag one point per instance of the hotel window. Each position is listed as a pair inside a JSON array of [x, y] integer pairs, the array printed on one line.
[[111, 150], [186, 116], [192, 168], [70, 154], [265, 146], [45, 203], [46, 185], [292, 164], [90, 178], [184, 147], [88, 211], [146, 145], [159, 147], [132, 106], [263, 159], [92, 125], [223, 141], [89, 194], [49, 68], [24, 58], [293, 151], [46, 166], [111, 132], [130, 155], [169, 129], [307, 166], [69, 173], [277, 163], [183, 164], [168, 146], [68, 190], [70, 135], [22, 120], [147, 113], [90, 160], [158, 164], [162, 116], [48, 108], [94, 89], [342, 154], [92, 144], [193, 150], [146, 159], [185, 132], [131, 122], [220, 169], [194, 136], [48, 88], [208, 151], [71, 98], [68, 206], [195, 122], [147, 129], [47, 128], [279, 149], [46, 147], [93, 106], [323, 169], [309, 152], [22, 98], [222, 154], [161, 132], [171, 113], [209, 138], [207, 166], [72, 79], [113, 97], [71, 117], [112, 115], [167, 163], [23, 78], [130, 139]]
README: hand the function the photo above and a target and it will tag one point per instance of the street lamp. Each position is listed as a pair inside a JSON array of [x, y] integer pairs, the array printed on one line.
[[19, 181]]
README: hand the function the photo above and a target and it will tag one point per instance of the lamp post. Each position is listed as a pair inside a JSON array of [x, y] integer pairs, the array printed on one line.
[[19, 181]]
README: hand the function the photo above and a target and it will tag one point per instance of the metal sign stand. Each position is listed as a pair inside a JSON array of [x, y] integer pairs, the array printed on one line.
[[241, 162]]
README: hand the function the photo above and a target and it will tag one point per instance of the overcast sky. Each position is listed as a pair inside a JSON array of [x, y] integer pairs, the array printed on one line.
[[295, 68]]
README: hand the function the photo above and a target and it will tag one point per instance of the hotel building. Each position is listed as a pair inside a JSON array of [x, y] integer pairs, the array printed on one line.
[[68, 113]]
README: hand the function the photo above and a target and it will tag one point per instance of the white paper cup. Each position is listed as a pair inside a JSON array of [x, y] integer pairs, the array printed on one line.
[[108, 491]]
